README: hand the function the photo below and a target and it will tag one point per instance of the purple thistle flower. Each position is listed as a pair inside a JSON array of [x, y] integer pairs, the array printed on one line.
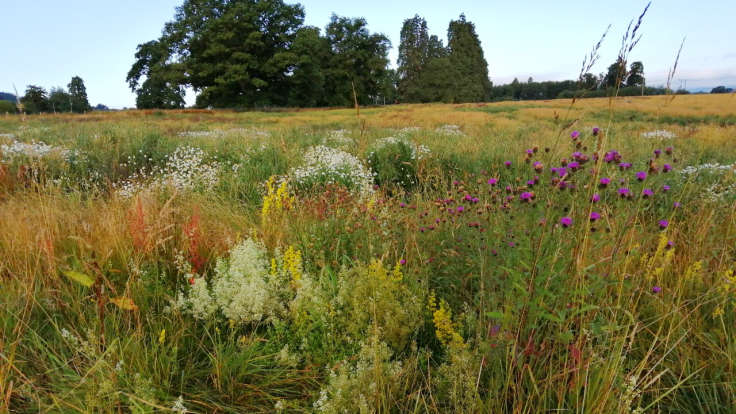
[[656, 289], [596, 130], [402, 204], [665, 188], [402, 262], [647, 192], [657, 152], [526, 196], [492, 181], [574, 134], [574, 165], [530, 183], [666, 168], [596, 198], [668, 150], [624, 165], [566, 222], [677, 204], [460, 209], [605, 181], [670, 244], [663, 224], [507, 163], [594, 216], [624, 192], [530, 151], [641, 175]]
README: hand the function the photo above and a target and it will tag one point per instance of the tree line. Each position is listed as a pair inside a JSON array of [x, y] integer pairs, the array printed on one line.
[[37, 100]]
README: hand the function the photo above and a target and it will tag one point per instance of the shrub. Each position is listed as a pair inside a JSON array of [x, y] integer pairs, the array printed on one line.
[[395, 162]]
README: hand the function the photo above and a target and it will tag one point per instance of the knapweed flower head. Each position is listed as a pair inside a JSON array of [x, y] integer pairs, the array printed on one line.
[[656, 289], [604, 181], [530, 183], [663, 224], [460, 209], [666, 168], [665, 188], [538, 166], [566, 222], [526, 196], [574, 165], [676, 204], [657, 152], [612, 156], [574, 134], [594, 216], [647, 192], [624, 192], [507, 163], [668, 150], [624, 165], [596, 198], [492, 181], [596, 130], [641, 175]]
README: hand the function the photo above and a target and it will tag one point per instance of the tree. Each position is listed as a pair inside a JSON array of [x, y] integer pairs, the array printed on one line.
[[60, 100], [616, 74], [7, 107], [358, 61], [160, 89], [589, 81], [471, 83], [636, 75], [78, 92], [35, 100], [721, 89], [413, 59], [307, 80]]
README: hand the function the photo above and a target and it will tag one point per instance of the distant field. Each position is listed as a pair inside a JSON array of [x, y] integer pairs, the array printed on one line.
[[513, 257]]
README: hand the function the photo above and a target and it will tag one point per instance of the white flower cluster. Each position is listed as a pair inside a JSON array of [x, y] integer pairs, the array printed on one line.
[[242, 288], [660, 134], [453, 130], [33, 150], [9, 136], [178, 406], [185, 170], [218, 133], [711, 167], [338, 138], [409, 130], [418, 151], [325, 165]]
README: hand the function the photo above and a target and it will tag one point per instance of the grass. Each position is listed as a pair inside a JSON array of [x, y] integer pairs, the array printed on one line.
[[440, 290]]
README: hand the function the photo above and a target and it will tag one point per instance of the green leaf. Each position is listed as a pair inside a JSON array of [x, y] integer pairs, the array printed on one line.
[[79, 277]]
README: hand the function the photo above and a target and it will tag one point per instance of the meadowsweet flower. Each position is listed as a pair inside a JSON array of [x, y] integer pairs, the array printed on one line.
[[566, 221], [594, 216], [663, 224], [656, 289], [641, 175]]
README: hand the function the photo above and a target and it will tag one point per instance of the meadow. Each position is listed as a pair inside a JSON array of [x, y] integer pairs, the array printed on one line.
[[514, 257]]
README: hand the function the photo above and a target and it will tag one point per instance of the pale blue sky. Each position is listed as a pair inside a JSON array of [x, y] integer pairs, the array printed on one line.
[[46, 42]]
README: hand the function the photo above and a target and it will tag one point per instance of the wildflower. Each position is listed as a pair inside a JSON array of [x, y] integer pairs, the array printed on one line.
[[596, 130], [668, 150], [402, 261], [663, 224], [566, 221], [492, 181], [594, 216], [574, 165], [507, 164], [657, 152], [604, 182], [624, 192], [677, 204], [596, 198], [460, 209], [611, 156], [530, 183], [666, 168], [656, 289], [402, 204], [641, 175], [574, 135], [530, 151], [670, 244], [526, 196], [624, 166], [647, 192], [538, 166], [665, 188]]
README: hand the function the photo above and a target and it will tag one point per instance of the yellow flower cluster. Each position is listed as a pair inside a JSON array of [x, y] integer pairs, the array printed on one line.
[[376, 270], [277, 199], [658, 262], [293, 263], [445, 329]]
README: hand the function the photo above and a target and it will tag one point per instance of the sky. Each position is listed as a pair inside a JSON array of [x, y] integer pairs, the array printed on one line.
[[46, 42]]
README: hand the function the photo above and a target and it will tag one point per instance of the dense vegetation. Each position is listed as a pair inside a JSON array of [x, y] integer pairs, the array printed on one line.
[[506, 258]]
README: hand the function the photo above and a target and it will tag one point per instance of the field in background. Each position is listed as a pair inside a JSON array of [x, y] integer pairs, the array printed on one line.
[[507, 257]]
